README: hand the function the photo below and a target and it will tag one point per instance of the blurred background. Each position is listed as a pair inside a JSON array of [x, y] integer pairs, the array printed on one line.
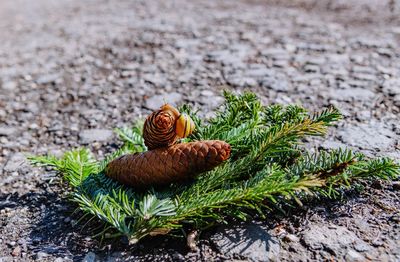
[[71, 71]]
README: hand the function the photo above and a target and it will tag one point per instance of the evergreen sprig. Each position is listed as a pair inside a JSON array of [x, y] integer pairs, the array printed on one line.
[[268, 167]]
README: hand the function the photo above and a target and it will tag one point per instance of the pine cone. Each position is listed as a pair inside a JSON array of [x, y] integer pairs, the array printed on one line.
[[165, 126], [166, 165]]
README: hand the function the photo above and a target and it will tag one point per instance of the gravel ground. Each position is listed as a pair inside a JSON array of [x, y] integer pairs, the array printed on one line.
[[71, 71]]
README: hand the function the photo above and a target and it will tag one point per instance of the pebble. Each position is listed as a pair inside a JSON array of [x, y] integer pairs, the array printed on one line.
[[178, 257], [47, 79], [365, 77], [155, 102], [258, 71], [377, 243], [311, 69], [364, 115], [396, 100], [363, 70], [391, 86], [357, 94], [90, 257], [207, 93], [291, 238], [239, 81], [36, 240], [362, 247], [16, 251], [7, 130], [354, 256], [9, 86], [16, 162], [277, 84], [219, 56], [157, 80], [88, 136], [396, 218], [41, 255]]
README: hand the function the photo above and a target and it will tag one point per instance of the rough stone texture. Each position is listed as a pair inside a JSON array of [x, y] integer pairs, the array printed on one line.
[[368, 136], [15, 163], [251, 242], [334, 239], [71, 66]]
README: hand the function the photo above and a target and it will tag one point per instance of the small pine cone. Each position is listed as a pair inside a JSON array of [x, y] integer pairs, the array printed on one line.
[[159, 127], [166, 165], [164, 127]]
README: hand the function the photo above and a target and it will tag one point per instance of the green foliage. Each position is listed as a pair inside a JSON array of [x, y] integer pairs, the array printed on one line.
[[76, 165], [268, 167]]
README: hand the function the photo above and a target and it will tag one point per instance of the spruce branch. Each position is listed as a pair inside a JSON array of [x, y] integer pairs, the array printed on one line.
[[268, 167], [132, 136], [75, 165]]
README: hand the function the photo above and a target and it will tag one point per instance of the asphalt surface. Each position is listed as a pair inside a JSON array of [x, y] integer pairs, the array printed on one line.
[[71, 71]]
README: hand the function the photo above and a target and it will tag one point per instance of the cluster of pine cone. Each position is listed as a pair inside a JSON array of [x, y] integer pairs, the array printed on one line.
[[167, 161]]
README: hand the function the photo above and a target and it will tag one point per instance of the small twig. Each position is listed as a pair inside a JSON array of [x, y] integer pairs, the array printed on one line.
[[338, 169], [191, 240]]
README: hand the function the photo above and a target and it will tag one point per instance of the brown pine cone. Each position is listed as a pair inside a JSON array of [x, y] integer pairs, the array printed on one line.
[[165, 126], [166, 165]]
